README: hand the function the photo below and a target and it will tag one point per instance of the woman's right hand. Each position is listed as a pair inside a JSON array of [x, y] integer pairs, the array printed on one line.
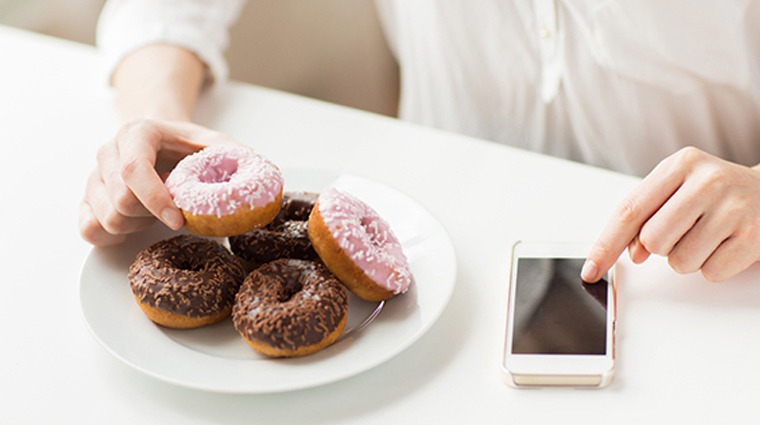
[[126, 193]]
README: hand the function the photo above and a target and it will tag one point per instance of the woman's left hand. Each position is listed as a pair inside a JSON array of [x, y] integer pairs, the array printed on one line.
[[699, 211]]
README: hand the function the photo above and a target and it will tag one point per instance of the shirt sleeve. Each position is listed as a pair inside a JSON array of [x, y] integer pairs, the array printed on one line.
[[200, 26]]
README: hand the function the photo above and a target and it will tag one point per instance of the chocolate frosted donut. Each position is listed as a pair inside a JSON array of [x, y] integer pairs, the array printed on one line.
[[186, 281], [290, 307], [285, 237]]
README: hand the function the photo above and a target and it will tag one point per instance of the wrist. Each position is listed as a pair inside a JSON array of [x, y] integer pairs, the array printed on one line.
[[158, 82]]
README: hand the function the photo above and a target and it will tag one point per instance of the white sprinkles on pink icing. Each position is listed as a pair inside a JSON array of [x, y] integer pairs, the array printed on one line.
[[367, 239], [218, 180]]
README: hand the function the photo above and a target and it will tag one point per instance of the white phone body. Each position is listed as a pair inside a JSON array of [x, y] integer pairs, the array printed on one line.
[[560, 331]]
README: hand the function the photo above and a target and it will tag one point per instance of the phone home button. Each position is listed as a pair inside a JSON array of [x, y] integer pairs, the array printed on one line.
[[557, 380]]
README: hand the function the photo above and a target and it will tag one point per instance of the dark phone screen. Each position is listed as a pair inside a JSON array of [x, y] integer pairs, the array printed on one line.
[[555, 311]]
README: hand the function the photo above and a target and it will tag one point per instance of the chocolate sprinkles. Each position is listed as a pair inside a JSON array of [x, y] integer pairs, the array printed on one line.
[[289, 303], [186, 275]]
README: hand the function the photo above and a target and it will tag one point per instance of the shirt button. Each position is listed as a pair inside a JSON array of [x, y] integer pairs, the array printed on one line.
[[545, 33]]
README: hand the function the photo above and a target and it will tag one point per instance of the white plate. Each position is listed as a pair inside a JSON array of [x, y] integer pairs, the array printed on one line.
[[216, 359]]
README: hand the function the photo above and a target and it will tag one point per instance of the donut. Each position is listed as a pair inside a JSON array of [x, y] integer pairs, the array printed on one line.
[[226, 190], [358, 246], [185, 282], [285, 237], [290, 307]]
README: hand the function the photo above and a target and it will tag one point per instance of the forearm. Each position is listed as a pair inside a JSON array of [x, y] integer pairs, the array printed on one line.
[[158, 81]]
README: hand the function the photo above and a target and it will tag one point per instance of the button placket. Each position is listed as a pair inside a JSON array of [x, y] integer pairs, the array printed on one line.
[[547, 26]]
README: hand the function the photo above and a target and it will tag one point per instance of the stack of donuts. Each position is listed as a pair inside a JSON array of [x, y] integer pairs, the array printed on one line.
[[291, 256]]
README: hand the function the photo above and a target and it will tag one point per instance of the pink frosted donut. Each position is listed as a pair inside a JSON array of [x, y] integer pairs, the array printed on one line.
[[358, 246], [226, 190]]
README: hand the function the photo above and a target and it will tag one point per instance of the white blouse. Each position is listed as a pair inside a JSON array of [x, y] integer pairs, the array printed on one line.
[[617, 84]]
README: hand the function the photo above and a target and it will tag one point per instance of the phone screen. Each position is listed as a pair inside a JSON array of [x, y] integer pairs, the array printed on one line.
[[555, 311]]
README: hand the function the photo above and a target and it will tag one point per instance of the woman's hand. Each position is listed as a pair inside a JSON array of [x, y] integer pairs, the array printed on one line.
[[125, 193], [701, 212]]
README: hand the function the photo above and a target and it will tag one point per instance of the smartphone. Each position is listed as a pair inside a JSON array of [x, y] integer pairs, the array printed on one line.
[[560, 331]]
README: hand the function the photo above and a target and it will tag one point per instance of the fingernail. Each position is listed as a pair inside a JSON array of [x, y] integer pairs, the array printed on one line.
[[172, 218], [589, 271]]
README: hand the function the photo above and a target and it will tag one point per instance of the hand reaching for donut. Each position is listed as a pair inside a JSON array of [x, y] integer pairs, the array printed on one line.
[[125, 193], [701, 212]]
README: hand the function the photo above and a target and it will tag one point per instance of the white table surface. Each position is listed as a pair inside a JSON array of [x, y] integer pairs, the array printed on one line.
[[688, 351]]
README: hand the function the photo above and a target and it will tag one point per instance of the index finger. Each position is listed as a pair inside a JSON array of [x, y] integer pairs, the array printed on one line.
[[631, 214], [138, 151]]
